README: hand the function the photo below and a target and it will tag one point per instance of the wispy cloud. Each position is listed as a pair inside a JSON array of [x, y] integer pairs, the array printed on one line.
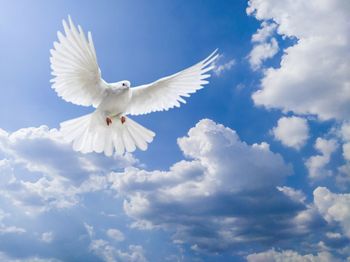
[[265, 46], [222, 66]]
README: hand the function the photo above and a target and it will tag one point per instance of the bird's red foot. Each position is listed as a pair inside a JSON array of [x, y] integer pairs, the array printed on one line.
[[123, 119], [108, 121]]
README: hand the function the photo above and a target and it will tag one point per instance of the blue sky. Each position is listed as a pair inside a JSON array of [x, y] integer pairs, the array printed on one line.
[[255, 167]]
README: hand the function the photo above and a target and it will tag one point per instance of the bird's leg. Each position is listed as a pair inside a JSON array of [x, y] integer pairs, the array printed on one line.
[[123, 119], [108, 121]]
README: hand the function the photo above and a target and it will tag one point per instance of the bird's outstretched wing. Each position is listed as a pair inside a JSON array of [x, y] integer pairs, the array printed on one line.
[[77, 77], [169, 91]]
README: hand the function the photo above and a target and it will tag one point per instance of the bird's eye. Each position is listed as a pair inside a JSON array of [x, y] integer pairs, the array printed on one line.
[[124, 84]]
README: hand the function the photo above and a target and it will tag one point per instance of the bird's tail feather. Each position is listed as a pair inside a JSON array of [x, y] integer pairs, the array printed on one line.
[[90, 133]]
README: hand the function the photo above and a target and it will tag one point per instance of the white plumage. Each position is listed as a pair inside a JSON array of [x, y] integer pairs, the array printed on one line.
[[77, 79]]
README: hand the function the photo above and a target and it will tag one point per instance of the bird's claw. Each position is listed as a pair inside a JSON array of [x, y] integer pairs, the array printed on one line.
[[123, 119], [108, 121]]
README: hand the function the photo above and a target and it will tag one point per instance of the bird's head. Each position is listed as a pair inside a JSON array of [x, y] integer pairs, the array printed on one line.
[[125, 84]]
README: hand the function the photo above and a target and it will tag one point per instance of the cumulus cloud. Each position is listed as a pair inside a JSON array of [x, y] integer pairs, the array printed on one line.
[[346, 151], [224, 197], [262, 52], [264, 33], [316, 165], [291, 131], [307, 219], [37, 149], [313, 75], [43, 181], [345, 131], [343, 176], [334, 207], [56, 174], [289, 256], [109, 253]]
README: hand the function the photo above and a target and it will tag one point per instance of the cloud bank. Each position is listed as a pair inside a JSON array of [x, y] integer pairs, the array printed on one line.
[[223, 198]]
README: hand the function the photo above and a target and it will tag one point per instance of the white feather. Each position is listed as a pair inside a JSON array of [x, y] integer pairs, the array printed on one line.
[[77, 77], [89, 134], [167, 92]]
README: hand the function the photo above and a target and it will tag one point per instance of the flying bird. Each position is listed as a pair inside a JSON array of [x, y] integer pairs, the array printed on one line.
[[77, 79]]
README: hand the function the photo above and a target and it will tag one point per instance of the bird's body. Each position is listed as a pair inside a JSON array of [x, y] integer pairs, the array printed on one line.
[[115, 101], [77, 79]]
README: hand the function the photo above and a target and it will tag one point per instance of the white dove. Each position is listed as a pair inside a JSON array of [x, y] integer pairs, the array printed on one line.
[[77, 79]]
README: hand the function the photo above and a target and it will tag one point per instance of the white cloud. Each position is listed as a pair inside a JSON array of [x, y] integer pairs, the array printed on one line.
[[264, 47], [36, 148], [296, 195], [115, 234], [291, 131], [47, 237], [89, 229], [230, 176], [290, 256], [313, 77], [221, 66], [109, 253], [220, 159], [47, 187], [225, 157], [7, 258], [262, 52], [345, 135], [264, 33], [345, 131], [307, 220], [334, 207], [343, 176], [207, 201], [346, 151], [40, 171], [5, 229], [11, 229], [316, 165], [333, 235]]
